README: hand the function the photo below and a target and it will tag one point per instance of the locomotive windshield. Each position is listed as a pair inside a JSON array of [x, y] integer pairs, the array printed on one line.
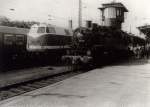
[[50, 30], [41, 30]]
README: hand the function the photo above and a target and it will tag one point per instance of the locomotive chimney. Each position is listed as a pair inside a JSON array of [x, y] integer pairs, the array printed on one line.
[[88, 23], [94, 25]]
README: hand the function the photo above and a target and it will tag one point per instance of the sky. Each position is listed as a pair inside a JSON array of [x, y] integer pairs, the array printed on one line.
[[58, 12]]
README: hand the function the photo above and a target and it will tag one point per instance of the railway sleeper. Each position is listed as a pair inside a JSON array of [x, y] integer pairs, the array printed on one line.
[[15, 90], [6, 94], [27, 88], [42, 83], [33, 86]]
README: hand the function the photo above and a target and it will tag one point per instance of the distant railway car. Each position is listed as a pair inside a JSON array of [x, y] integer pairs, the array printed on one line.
[[12, 43], [44, 37], [12, 39]]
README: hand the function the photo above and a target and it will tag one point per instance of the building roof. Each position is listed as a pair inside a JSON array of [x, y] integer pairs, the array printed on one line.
[[114, 4], [145, 30]]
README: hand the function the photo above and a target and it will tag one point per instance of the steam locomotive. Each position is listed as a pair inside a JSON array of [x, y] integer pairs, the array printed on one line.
[[106, 41], [101, 44]]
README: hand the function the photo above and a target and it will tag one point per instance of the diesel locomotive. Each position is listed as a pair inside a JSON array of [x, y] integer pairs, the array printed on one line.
[[45, 37]]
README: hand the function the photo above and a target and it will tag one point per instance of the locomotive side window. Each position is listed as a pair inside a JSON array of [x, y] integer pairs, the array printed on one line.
[[50, 30], [41, 30], [9, 39]]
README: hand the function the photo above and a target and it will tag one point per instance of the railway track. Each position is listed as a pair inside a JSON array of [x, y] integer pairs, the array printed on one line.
[[21, 88]]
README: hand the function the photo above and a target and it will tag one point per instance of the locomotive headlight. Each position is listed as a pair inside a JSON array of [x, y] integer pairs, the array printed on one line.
[[89, 53], [79, 35]]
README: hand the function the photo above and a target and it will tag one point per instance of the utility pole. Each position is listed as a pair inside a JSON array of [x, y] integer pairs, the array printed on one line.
[[130, 28], [114, 1], [80, 14], [70, 24], [49, 18]]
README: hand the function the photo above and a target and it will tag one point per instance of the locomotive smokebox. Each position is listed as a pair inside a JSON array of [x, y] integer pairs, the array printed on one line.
[[94, 26], [88, 23]]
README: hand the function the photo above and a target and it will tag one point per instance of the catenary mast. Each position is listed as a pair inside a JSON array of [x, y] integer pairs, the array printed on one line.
[[80, 14]]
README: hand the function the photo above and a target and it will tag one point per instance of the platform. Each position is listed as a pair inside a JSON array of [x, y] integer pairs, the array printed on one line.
[[121, 85], [24, 75]]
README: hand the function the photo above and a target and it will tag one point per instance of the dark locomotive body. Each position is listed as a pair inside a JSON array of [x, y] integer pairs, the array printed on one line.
[[104, 43]]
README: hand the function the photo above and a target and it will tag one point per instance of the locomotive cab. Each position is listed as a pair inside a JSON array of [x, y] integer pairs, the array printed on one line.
[[36, 30], [45, 37]]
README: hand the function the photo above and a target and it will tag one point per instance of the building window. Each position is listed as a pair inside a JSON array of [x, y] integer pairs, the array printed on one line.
[[118, 12]]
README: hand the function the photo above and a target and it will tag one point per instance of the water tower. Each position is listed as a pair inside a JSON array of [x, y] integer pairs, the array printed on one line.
[[113, 14]]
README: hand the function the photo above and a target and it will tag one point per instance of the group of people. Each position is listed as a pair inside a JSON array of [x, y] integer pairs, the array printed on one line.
[[140, 51]]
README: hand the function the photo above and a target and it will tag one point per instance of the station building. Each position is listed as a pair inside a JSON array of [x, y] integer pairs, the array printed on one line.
[[113, 14]]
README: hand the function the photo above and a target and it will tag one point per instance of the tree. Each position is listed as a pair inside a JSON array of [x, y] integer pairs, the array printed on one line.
[[4, 21]]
